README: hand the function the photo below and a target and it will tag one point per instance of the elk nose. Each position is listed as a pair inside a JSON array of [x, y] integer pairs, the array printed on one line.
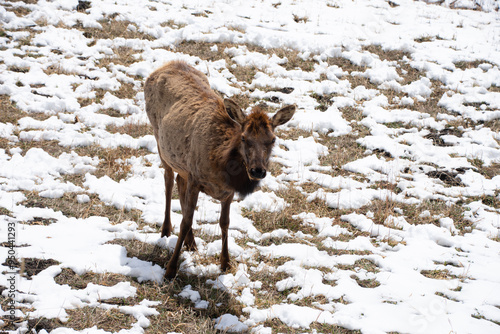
[[258, 173]]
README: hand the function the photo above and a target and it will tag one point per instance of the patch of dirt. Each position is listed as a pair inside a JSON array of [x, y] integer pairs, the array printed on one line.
[[449, 178], [31, 266], [80, 281], [435, 136]]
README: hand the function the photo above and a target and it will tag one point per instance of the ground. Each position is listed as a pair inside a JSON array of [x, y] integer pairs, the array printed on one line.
[[381, 213]]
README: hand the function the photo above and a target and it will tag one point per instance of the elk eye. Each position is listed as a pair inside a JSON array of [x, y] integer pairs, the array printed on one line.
[[242, 139], [273, 140]]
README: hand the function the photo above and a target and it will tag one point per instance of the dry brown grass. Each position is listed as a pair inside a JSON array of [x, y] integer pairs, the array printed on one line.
[[353, 114], [324, 101], [70, 207], [80, 281], [363, 264], [413, 214], [111, 112], [300, 19], [279, 327], [450, 179], [438, 274], [366, 283], [18, 69], [108, 320], [113, 28], [489, 200], [430, 105], [493, 124], [292, 134], [358, 80], [126, 91], [342, 150], [10, 113], [179, 315], [35, 325], [99, 95], [243, 100], [203, 51], [424, 39], [29, 267], [51, 147], [123, 55], [57, 69], [294, 59], [30, 2], [5, 212], [464, 65], [175, 313], [266, 221], [337, 252], [390, 55], [112, 160], [269, 295], [334, 329], [144, 251], [345, 64], [135, 130], [243, 73], [18, 10], [435, 135]]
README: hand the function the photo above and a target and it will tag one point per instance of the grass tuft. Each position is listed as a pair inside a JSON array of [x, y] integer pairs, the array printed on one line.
[[108, 320], [135, 130], [69, 206], [29, 267]]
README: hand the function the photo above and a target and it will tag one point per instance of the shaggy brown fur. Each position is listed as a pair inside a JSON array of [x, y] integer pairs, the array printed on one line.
[[209, 142]]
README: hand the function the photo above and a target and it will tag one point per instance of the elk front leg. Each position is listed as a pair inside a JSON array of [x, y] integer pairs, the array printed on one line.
[[181, 186], [190, 199], [166, 229], [224, 226]]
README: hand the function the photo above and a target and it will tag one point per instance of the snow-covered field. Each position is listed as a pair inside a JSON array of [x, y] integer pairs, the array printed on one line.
[[382, 213]]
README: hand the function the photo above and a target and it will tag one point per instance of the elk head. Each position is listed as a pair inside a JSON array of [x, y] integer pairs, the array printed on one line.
[[257, 136]]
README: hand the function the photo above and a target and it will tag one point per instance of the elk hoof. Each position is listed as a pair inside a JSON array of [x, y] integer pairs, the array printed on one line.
[[169, 275], [190, 244], [191, 247], [225, 267], [166, 232], [189, 241]]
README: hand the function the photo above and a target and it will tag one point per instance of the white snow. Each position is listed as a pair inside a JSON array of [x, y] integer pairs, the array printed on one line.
[[230, 324]]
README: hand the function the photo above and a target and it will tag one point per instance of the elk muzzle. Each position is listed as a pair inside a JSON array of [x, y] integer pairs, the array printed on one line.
[[257, 173]]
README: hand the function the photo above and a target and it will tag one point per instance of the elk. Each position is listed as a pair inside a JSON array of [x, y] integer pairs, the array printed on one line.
[[210, 143]]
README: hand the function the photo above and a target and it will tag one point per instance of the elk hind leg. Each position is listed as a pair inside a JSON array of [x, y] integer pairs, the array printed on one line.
[[190, 199]]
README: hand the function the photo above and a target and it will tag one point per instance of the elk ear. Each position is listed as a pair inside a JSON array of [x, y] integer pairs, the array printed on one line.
[[283, 115], [234, 111]]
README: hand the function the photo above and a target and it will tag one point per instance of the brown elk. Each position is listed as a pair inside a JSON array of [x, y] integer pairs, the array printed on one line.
[[209, 142]]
